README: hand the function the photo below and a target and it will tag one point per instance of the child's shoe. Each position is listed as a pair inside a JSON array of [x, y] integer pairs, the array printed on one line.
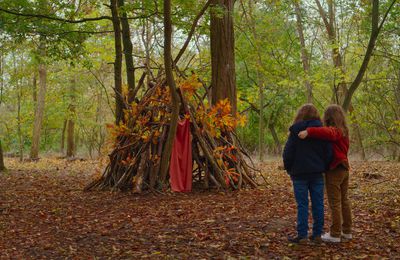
[[328, 238], [298, 240], [316, 239], [347, 236]]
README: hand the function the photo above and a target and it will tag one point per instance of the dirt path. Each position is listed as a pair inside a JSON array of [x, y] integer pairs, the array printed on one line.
[[45, 215]]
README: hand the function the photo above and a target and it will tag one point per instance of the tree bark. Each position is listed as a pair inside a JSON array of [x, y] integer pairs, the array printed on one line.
[[2, 165], [222, 41], [19, 131], [39, 111], [34, 87], [19, 96], [71, 120], [126, 39], [340, 90], [397, 95], [63, 136], [119, 102], [304, 55], [2, 78], [165, 158]]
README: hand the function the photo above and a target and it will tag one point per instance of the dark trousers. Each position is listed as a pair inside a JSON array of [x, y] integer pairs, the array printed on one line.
[[301, 189]]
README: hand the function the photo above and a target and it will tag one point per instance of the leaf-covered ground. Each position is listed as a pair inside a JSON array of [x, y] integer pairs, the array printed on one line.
[[45, 215]]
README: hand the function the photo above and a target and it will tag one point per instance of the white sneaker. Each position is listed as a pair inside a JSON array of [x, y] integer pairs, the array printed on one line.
[[328, 238], [347, 236]]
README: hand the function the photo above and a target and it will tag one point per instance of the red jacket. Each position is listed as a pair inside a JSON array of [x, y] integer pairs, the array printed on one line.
[[340, 143]]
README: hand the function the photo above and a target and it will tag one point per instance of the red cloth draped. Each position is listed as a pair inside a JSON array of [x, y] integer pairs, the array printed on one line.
[[180, 168]]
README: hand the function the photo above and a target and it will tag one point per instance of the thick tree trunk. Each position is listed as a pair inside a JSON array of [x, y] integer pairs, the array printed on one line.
[[304, 55], [119, 102], [166, 155], [222, 52], [39, 111], [71, 120], [126, 39]]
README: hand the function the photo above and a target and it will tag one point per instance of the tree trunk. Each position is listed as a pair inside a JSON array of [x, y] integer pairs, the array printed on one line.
[[166, 155], [275, 137], [222, 41], [19, 96], [375, 29], [119, 102], [20, 138], [63, 136], [397, 95], [304, 55], [34, 88], [1, 75], [71, 120], [39, 111], [126, 39], [340, 88], [2, 165]]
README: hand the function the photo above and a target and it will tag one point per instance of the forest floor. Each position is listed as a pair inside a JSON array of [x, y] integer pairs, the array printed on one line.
[[45, 215]]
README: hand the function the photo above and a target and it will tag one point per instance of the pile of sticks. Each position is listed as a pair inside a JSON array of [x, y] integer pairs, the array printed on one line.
[[219, 160]]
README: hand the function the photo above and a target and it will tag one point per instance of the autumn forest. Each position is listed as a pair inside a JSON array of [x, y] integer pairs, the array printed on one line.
[[155, 128]]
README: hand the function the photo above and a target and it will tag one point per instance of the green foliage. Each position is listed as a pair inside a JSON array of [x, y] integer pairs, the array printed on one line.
[[268, 57]]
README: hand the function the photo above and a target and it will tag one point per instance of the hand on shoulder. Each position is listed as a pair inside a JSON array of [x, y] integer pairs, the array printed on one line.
[[303, 134]]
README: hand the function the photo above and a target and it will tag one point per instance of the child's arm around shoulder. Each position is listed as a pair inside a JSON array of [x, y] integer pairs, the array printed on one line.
[[325, 133]]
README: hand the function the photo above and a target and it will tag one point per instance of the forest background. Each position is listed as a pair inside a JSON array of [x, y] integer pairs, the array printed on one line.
[[57, 73]]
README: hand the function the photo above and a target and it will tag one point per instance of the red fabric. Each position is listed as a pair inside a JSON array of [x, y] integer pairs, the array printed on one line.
[[180, 168], [340, 143]]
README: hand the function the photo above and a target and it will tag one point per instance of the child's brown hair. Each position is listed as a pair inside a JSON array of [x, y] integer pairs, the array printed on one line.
[[335, 116], [306, 112]]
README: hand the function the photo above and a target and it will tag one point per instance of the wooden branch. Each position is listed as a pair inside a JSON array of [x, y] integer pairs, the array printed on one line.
[[192, 29], [42, 16], [375, 30], [324, 17]]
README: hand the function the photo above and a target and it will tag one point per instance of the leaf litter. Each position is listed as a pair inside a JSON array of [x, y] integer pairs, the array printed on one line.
[[44, 214]]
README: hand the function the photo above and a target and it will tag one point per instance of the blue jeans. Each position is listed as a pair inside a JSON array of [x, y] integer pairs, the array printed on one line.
[[316, 189]]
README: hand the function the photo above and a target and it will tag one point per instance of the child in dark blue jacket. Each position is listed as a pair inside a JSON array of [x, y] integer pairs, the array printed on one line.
[[305, 161]]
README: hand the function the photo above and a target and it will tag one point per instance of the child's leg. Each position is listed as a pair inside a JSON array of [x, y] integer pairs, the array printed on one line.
[[300, 188], [334, 178], [346, 208], [317, 204]]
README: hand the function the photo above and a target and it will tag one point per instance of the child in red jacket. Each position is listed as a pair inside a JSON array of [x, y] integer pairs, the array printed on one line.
[[337, 178]]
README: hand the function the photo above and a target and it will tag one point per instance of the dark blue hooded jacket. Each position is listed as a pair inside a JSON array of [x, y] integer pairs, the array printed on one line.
[[308, 158]]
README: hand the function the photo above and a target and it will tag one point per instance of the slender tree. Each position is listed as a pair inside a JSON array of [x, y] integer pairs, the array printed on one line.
[[119, 102], [166, 155], [40, 104], [128, 47], [71, 149], [2, 165], [304, 55]]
